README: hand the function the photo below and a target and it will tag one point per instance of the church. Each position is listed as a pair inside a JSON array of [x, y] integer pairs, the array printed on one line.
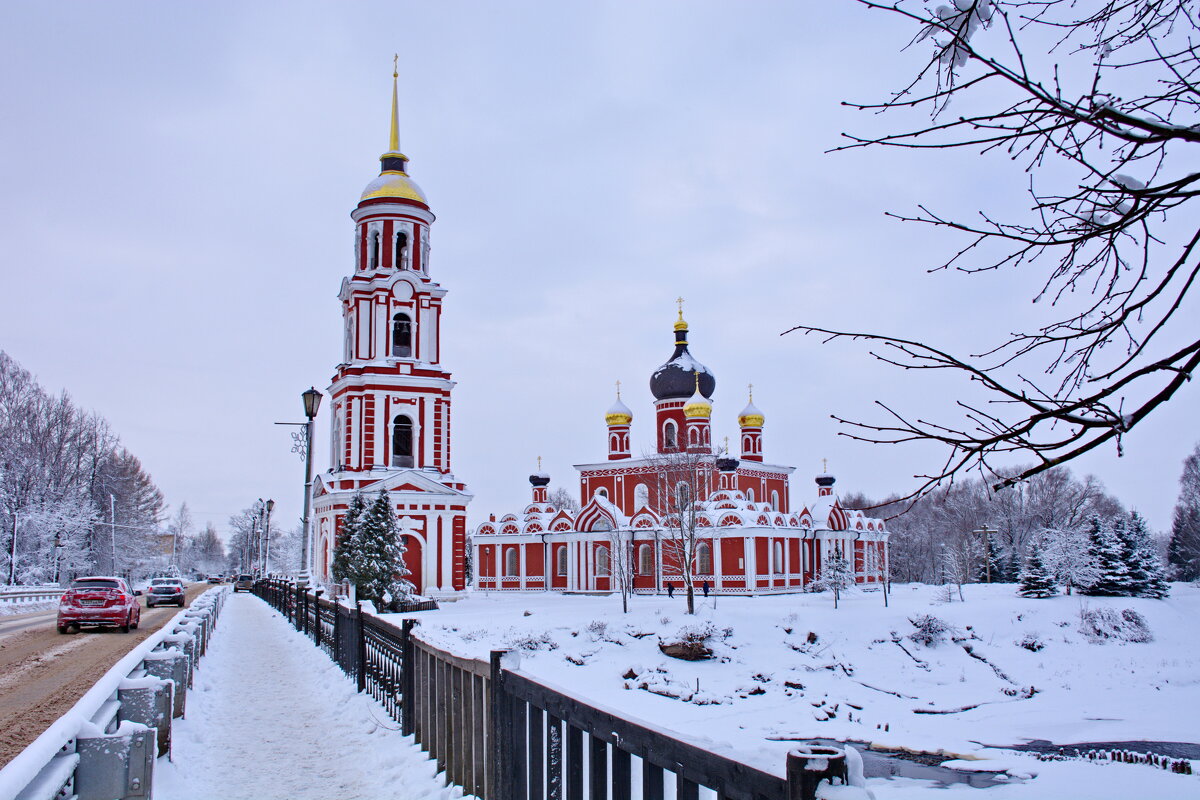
[[390, 402], [733, 519], [390, 396]]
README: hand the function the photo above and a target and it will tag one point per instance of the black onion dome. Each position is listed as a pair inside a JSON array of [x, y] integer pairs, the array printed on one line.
[[676, 379], [540, 479]]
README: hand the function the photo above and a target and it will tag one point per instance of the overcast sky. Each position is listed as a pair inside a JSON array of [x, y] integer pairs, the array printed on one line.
[[177, 179]]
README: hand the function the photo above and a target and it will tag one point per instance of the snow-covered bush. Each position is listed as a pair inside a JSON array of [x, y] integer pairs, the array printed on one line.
[[930, 631], [692, 642], [1100, 625], [1031, 642], [530, 640], [598, 628]]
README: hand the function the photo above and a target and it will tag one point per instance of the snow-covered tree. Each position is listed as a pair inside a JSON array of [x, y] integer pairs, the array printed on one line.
[[377, 552], [1037, 578], [349, 541], [1105, 549], [1143, 567], [1183, 551], [621, 565], [680, 479], [1068, 555], [837, 574], [205, 552], [563, 498], [180, 529]]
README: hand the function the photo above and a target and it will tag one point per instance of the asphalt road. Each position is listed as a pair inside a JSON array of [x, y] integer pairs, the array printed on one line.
[[43, 673]]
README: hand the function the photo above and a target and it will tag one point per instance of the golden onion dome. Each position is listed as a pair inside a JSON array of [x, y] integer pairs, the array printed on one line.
[[697, 406], [751, 417], [618, 414]]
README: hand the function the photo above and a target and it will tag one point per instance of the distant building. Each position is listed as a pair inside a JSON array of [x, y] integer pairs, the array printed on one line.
[[390, 397], [753, 538]]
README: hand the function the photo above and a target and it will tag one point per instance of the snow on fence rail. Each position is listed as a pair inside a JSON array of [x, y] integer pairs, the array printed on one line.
[[19, 595], [105, 746], [501, 734]]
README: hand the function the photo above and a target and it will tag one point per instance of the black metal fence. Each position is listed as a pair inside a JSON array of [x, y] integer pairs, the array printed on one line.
[[502, 736]]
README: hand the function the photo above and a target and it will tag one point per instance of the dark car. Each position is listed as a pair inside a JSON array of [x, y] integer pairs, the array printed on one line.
[[243, 583], [99, 601], [165, 591]]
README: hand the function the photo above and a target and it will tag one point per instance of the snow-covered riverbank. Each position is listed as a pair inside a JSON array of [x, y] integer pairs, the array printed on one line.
[[1008, 670]]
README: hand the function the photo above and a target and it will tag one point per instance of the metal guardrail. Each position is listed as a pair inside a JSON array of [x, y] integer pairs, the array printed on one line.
[[104, 748], [30, 594]]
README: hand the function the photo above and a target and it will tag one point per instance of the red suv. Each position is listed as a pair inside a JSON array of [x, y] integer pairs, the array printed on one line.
[[99, 601]]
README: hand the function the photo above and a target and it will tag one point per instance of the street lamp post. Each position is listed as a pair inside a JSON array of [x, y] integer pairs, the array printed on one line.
[[58, 546], [303, 445], [266, 548]]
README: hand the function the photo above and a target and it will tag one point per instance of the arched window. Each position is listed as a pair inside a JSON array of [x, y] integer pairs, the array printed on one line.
[[645, 559], [561, 561], [373, 258], [693, 436], [704, 564], [402, 336], [602, 492], [669, 441], [349, 338], [775, 501], [401, 247], [641, 496], [602, 565], [510, 562], [750, 495], [778, 559], [402, 442], [683, 495]]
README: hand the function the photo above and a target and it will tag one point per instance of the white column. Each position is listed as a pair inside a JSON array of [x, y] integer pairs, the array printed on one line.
[[499, 572], [447, 543], [751, 562], [521, 563], [787, 561], [717, 569]]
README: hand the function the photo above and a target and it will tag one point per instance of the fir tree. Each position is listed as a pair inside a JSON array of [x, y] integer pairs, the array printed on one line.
[[1037, 579], [1145, 570], [381, 574], [1105, 551], [344, 554], [1183, 552]]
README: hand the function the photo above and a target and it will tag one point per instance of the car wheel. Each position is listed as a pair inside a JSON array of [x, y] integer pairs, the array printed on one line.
[[125, 627], [63, 628], [136, 620]]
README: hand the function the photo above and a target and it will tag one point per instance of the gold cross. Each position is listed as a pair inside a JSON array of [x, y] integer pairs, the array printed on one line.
[[396, 65], [750, 386], [726, 444], [539, 463], [618, 390], [825, 465]]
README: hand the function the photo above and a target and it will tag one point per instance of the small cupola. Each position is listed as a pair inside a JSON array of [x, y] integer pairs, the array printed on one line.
[[697, 406]]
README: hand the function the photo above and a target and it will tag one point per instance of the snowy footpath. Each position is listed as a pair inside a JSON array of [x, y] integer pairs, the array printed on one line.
[[270, 716]]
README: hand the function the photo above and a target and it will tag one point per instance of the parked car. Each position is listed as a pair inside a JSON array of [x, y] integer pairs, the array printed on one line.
[[244, 583], [164, 591], [216, 578], [99, 601]]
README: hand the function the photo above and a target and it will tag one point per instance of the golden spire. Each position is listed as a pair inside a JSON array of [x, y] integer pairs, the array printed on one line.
[[394, 138], [680, 325]]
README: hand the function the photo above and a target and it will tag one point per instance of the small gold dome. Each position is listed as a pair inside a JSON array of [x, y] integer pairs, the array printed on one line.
[[618, 413], [394, 184], [700, 409]]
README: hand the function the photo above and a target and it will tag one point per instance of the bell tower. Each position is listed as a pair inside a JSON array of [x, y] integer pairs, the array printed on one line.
[[390, 399]]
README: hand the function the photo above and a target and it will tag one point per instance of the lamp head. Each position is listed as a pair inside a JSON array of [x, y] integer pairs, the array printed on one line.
[[312, 401], [270, 506]]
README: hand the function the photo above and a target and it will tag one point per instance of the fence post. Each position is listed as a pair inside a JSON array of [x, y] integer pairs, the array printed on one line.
[[296, 608], [501, 732], [360, 645], [317, 616], [408, 678], [808, 766]]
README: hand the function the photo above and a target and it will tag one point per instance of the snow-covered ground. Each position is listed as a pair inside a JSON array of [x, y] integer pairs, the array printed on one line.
[[271, 716], [793, 667]]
